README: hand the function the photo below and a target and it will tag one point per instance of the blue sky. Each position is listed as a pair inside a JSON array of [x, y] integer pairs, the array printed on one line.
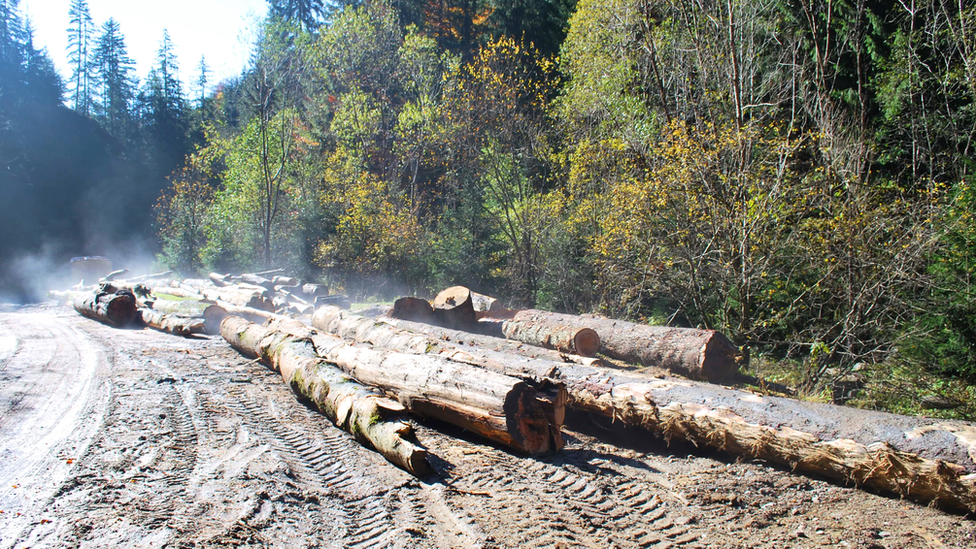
[[221, 30]]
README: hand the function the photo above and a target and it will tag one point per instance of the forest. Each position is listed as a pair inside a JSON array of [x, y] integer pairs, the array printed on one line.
[[793, 173]]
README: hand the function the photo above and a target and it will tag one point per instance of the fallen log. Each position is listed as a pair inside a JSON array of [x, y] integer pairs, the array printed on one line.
[[501, 408], [241, 297], [171, 323], [286, 281], [468, 340], [568, 339], [373, 419], [116, 308], [211, 313], [219, 280], [923, 459], [257, 280], [696, 354]]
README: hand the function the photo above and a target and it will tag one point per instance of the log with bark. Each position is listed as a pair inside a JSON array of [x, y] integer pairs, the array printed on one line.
[[172, 323], [105, 304], [238, 295], [568, 339], [372, 418], [501, 408], [467, 340], [924, 459], [697, 354]]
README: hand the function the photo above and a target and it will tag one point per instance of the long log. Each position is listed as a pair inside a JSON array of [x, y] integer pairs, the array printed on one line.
[[171, 323], [923, 459], [501, 408], [568, 339], [373, 419], [211, 313], [697, 354], [468, 340]]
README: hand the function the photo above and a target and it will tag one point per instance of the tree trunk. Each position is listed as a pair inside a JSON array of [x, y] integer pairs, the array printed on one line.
[[211, 313], [372, 418], [171, 323], [501, 408], [925, 459], [114, 308], [696, 354], [468, 340], [568, 339]]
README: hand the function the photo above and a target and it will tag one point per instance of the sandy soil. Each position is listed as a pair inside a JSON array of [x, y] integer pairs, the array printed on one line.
[[131, 438]]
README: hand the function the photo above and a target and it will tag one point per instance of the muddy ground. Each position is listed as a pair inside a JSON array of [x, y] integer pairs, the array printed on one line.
[[132, 438]]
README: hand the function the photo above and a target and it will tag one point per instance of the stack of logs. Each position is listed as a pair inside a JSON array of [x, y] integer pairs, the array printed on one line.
[[196, 306], [516, 377]]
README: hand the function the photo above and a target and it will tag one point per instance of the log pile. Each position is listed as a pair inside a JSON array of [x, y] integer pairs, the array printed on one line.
[[516, 377]]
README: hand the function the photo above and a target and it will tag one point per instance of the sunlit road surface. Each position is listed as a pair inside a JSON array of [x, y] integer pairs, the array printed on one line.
[[47, 386]]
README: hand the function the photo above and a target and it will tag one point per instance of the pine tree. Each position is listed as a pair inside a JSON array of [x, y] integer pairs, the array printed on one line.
[[164, 110], [10, 45], [115, 84], [308, 13], [80, 45], [202, 79], [41, 81]]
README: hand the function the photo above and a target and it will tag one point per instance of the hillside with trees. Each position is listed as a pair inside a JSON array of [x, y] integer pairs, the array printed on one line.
[[793, 173]]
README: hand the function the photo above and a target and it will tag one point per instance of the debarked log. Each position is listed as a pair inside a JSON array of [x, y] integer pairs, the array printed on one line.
[[373, 419], [211, 313], [498, 407], [171, 323], [697, 354]]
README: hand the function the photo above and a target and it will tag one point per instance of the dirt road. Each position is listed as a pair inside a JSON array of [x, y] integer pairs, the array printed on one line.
[[131, 438]]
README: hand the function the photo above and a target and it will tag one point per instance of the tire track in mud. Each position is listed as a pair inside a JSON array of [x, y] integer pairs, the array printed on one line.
[[369, 511], [566, 504]]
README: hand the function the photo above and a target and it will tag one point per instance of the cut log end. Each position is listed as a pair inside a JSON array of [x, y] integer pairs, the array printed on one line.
[[528, 422], [586, 342]]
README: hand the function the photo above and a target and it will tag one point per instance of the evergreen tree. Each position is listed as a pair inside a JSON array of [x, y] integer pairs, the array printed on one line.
[[203, 77], [80, 45], [41, 81], [115, 84], [164, 111], [10, 49], [308, 13]]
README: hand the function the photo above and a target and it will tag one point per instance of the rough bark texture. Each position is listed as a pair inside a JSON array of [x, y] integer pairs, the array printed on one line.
[[368, 415], [697, 354], [924, 459], [118, 309], [568, 339], [501, 408], [171, 323], [414, 309], [469, 340]]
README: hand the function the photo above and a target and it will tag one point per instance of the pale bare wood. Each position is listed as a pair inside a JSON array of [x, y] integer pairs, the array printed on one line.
[[171, 323]]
